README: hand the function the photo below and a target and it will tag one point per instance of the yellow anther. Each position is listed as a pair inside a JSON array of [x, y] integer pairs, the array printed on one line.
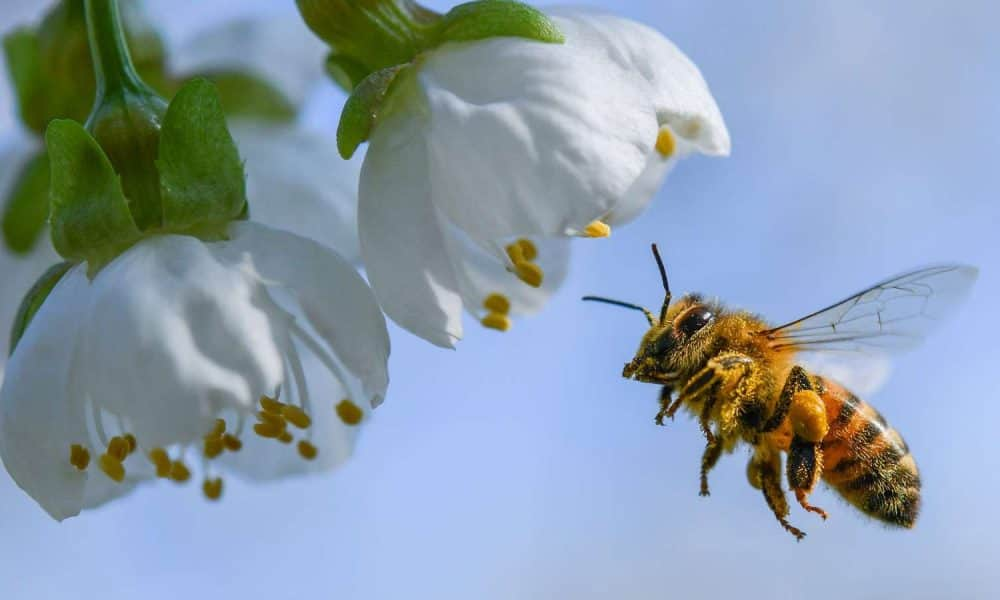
[[528, 249], [529, 273], [268, 430], [496, 321], [160, 459], [232, 443], [497, 303], [272, 419], [597, 229], [79, 457], [271, 405], [112, 467], [219, 428], [296, 416], [179, 472], [666, 145], [118, 448], [307, 450], [131, 441], [285, 437], [212, 488], [349, 412], [515, 253], [213, 446]]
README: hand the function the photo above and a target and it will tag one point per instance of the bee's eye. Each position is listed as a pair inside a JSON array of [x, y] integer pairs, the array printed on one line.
[[694, 321]]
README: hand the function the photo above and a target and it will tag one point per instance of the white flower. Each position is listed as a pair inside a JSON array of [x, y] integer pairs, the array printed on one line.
[[158, 366], [482, 143]]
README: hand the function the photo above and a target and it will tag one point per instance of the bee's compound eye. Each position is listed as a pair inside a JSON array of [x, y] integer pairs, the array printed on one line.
[[694, 320]]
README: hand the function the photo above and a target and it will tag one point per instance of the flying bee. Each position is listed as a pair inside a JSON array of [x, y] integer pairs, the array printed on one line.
[[747, 381]]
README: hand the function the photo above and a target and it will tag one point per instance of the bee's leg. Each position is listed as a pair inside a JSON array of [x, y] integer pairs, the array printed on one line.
[[764, 473], [667, 407], [805, 465], [725, 367], [713, 450]]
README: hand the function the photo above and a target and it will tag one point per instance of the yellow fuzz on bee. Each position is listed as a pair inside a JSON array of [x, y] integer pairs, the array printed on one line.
[[160, 459], [497, 303], [296, 416], [179, 472], [597, 229], [212, 488], [79, 457], [307, 450], [112, 467], [349, 412], [496, 321], [666, 145], [529, 273]]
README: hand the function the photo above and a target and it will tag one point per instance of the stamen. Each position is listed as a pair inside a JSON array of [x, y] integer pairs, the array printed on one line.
[[529, 273], [528, 249], [597, 229], [274, 419], [212, 488], [307, 450], [285, 437], [112, 467], [271, 405], [213, 446], [160, 459], [515, 253], [496, 321], [219, 428], [118, 448], [294, 363], [296, 416], [666, 145], [232, 443], [179, 472], [131, 441], [349, 412], [268, 430], [497, 303], [79, 457], [316, 348]]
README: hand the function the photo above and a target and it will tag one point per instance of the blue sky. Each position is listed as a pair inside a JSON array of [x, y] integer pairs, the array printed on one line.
[[865, 140]]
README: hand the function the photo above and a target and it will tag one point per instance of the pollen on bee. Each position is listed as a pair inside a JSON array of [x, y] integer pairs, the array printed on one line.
[[179, 472], [666, 145], [529, 273], [212, 488], [349, 412], [160, 459], [79, 457], [497, 321], [597, 229], [307, 450], [296, 416], [497, 303], [112, 467]]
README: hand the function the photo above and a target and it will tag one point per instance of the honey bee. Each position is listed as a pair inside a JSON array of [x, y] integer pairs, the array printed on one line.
[[747, 381]]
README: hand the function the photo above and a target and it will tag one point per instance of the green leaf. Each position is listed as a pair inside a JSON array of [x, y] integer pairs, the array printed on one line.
[[24, 67], [200, 169], [246, 95], [34, 299], [496, 18], [27, 206], [363, 107], [89, 217], [345, 71]]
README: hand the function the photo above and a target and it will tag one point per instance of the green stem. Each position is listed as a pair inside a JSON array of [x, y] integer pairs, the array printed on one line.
[[113, 66]]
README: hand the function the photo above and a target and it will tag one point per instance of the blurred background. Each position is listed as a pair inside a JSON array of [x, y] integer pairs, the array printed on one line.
[[865, 141]]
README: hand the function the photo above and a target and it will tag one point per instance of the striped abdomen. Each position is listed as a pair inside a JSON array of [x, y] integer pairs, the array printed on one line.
[[867, 461]]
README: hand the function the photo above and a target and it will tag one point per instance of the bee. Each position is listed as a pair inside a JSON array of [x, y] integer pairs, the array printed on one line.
[[748, 381]]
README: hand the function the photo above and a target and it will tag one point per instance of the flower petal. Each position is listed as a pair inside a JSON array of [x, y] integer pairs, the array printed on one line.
[[173, 336], [297, 181], [402, 238], [642, 191], [277, 47], [336, 300]]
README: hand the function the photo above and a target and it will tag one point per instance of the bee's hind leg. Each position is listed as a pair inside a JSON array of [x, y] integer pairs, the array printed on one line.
[[807, 414], [805, 464], [764, 473]]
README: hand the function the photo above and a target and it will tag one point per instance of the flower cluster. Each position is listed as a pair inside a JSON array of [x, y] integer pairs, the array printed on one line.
[[206, 316]]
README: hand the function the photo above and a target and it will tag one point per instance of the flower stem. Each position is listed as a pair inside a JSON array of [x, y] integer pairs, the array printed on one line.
[[113, 66]]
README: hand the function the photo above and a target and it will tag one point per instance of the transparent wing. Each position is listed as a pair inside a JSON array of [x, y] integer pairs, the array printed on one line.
[[862, 374], [890, 316]]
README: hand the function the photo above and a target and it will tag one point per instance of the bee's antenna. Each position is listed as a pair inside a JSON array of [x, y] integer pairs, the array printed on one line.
[[666, 285], [649, 314]]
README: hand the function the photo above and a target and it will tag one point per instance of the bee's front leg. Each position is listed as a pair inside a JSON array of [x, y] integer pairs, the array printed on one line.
[[668, 406]]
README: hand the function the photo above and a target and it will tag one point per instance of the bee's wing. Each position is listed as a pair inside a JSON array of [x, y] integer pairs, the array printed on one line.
[[862, 374], [890, 316]]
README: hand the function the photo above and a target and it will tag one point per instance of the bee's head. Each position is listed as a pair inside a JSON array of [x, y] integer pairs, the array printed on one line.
[[679, 338]]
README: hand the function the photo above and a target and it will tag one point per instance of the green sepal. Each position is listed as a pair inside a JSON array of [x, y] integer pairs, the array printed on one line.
[[33, 301], [345, 71], [202, 179], [363, 108], [27, 206], [245, 95], [23, 66], [496, 18], [89, 216]]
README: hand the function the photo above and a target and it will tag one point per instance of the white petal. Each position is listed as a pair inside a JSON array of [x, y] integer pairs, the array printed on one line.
[[643, 189], [40, 415], [297, 181], [677, 89], [277, 47], [528, 138], [402, 239], [172, 337], [336, 300]]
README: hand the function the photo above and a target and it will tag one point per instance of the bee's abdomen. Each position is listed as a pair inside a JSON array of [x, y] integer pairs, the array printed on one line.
[[867, 461]]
